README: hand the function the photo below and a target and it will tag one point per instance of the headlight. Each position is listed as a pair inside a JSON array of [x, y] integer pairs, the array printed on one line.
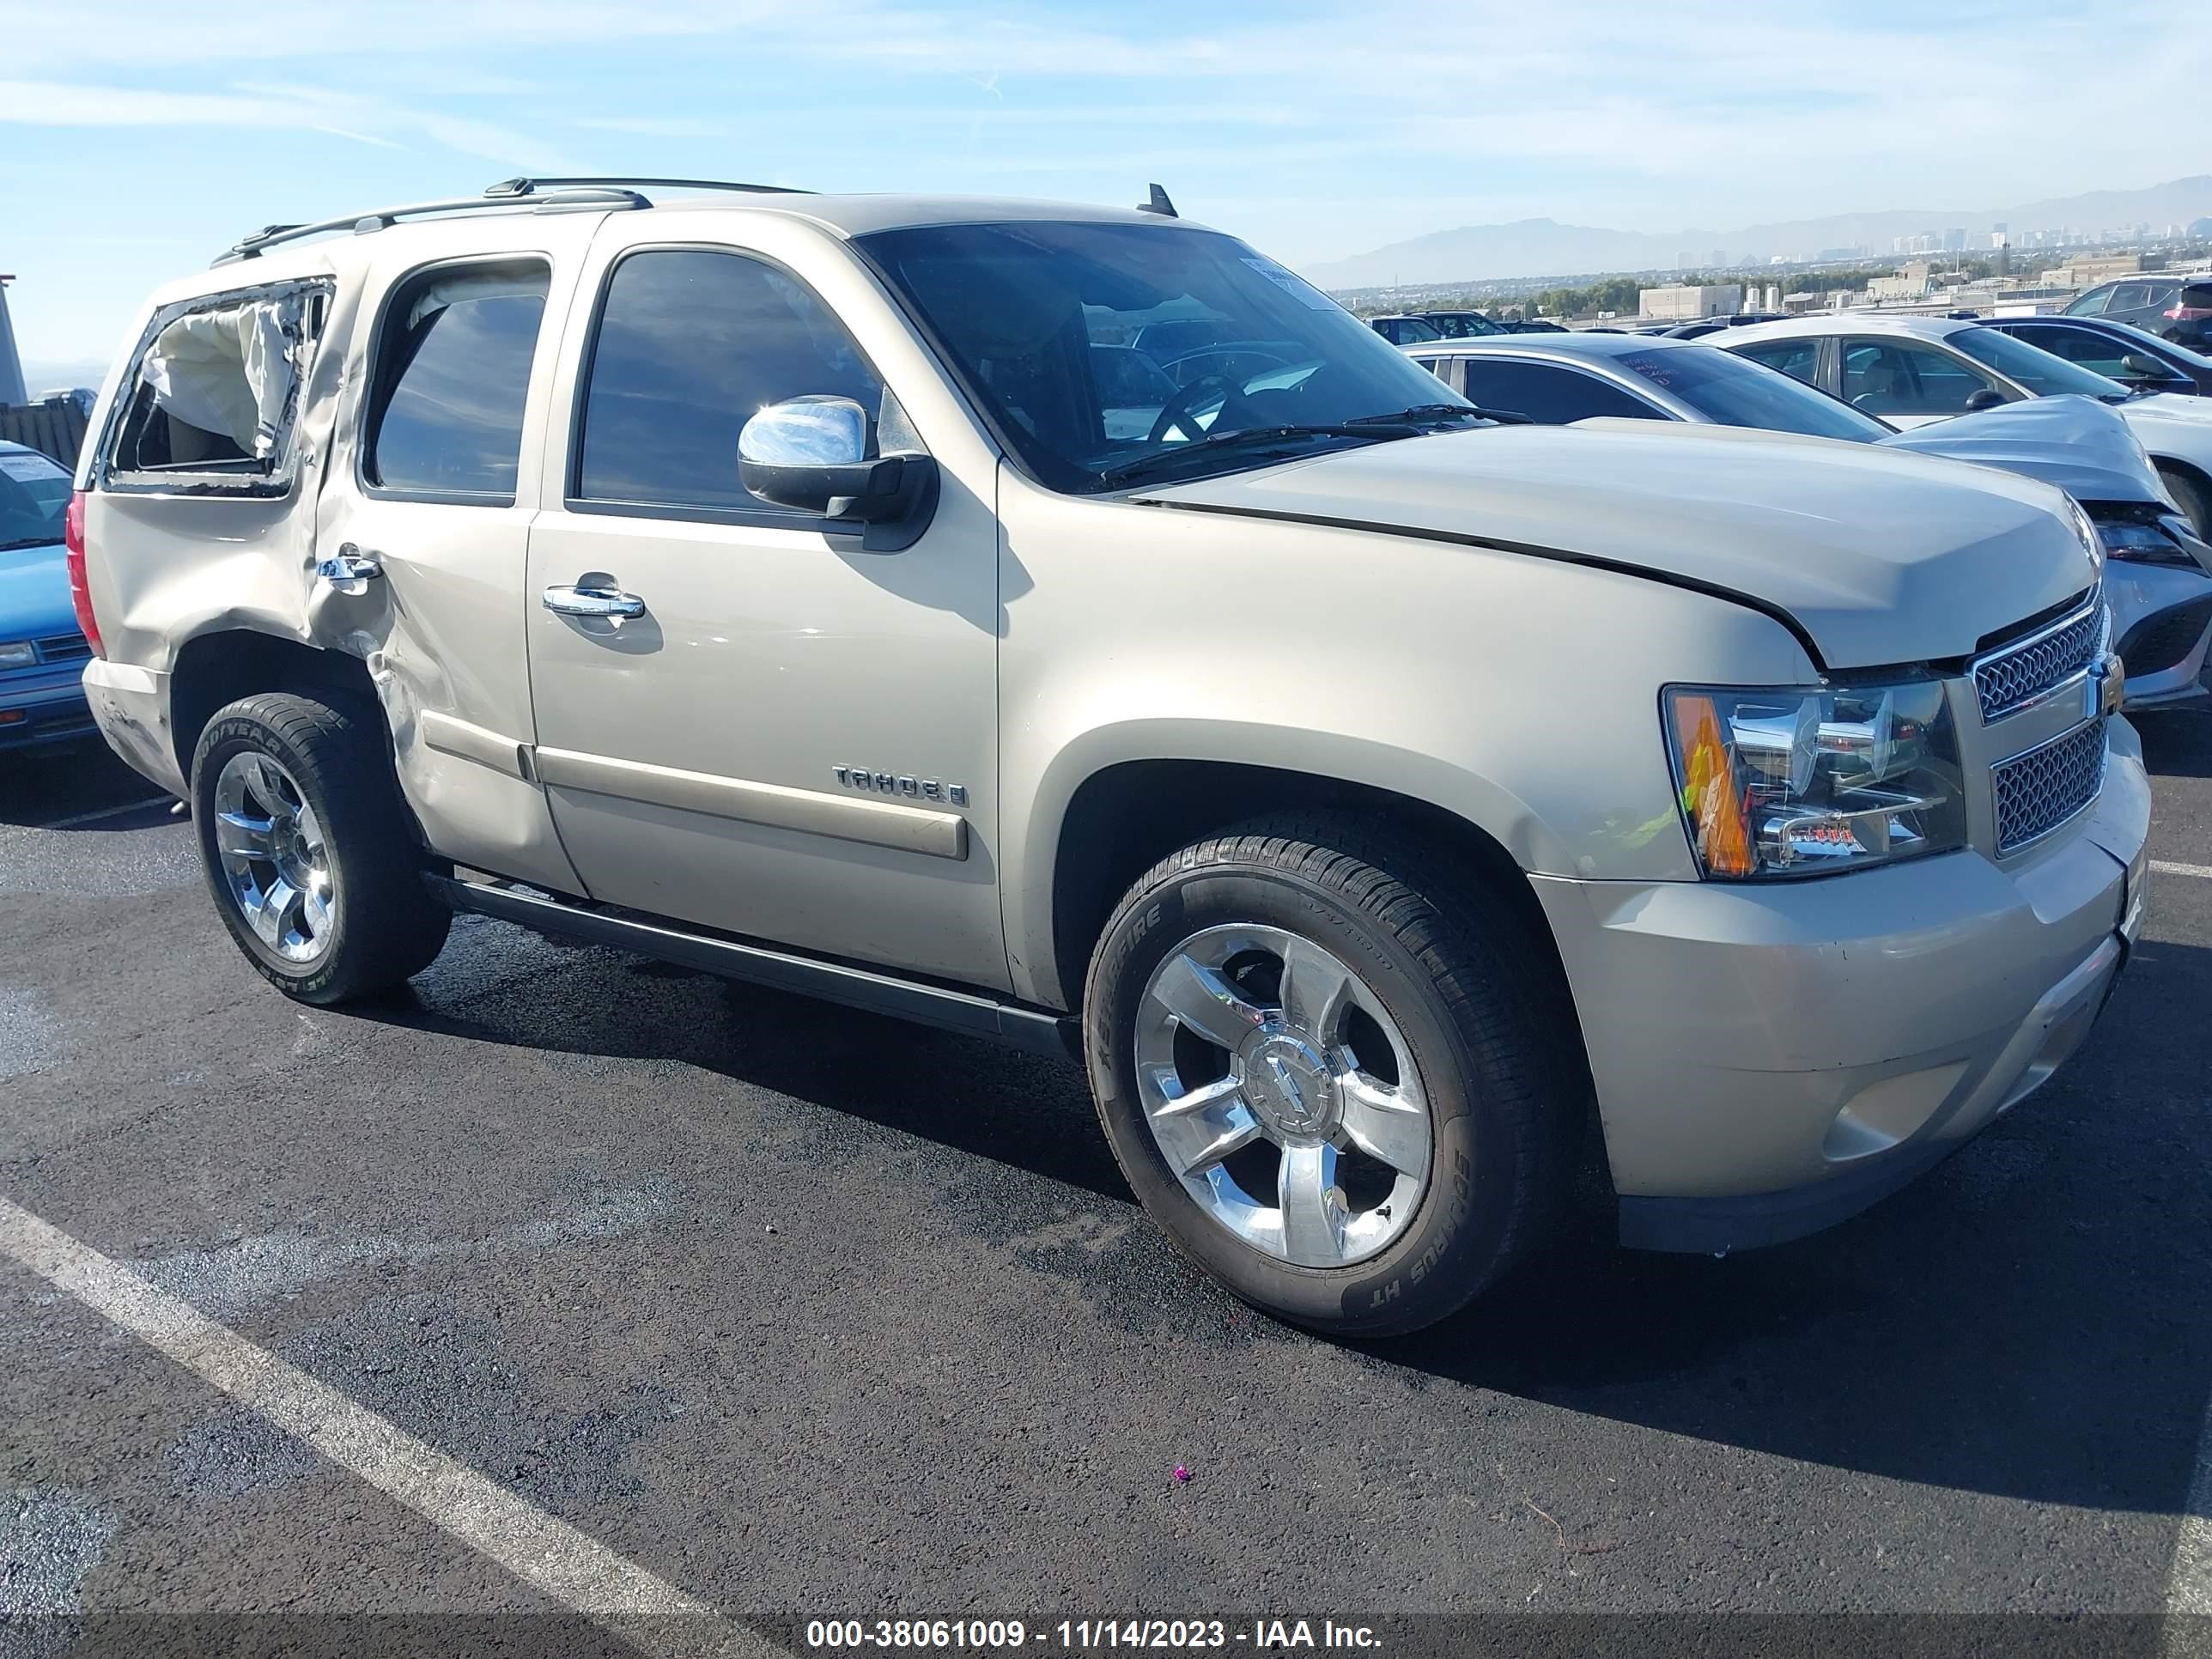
[[1795, 780], [17, 653], [2141, 539]]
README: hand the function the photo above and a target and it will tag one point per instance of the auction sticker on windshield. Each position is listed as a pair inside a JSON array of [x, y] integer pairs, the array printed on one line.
[[1290, 282]]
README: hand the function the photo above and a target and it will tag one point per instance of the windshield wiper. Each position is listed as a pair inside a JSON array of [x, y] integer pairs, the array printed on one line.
[[30, 541], [1249, 437], [1423, 412]]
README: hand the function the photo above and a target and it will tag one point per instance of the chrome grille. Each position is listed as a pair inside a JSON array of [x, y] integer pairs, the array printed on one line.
[[2018, 674], [2040, 790], [63, 647]]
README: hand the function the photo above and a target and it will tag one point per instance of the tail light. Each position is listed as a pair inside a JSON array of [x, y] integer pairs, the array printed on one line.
[[2179, 313], [79, 591]]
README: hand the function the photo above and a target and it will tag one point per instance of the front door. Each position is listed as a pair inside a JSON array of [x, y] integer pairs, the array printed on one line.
[[1910, 383], [422, 534], [788, 738]]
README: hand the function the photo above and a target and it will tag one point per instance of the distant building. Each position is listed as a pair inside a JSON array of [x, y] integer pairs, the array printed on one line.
[[2088, 273], [1955, 241], [1913, 284], [1686, 302], [1720, 257]]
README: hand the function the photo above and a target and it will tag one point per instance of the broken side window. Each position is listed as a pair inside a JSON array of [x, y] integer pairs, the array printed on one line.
[[212, 400]]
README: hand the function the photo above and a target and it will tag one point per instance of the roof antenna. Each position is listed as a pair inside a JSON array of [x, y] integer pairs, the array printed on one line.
[[1159, 203]]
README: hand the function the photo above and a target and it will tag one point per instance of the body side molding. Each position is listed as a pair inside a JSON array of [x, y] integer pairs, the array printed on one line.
[[846, 817]]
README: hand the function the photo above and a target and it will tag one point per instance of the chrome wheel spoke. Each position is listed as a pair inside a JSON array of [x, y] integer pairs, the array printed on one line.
[[315, 908], [1199, 1127], [1312, 1207], [273, 917], [241, 836], [1203, 999], [263, 783], [1316, 989], [1387, 1123]]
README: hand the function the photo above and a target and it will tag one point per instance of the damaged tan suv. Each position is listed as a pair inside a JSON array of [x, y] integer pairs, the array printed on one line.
[[1066, 626]]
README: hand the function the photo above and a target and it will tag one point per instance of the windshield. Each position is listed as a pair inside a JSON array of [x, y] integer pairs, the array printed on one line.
[[1730, 390], [1058, 330], [34, 496], [2042, 373]]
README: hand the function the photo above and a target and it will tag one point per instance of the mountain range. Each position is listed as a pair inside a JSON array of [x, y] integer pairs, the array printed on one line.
[[1545, 247]]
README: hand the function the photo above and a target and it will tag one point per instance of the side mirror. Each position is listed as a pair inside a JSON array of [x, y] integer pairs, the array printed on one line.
[[812, 453], [1988, 398], [2142, 368]]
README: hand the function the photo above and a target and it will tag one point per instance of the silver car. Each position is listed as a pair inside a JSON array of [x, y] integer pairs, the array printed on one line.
[[2159, 582]]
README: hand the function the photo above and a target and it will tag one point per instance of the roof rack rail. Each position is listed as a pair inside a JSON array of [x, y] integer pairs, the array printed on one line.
[[513, 187], [498, 195]]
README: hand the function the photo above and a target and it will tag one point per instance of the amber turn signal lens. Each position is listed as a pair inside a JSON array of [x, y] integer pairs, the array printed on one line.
[[1711, 798]]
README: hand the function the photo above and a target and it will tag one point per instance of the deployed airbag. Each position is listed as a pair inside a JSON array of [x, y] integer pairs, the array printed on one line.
[[228, 371]]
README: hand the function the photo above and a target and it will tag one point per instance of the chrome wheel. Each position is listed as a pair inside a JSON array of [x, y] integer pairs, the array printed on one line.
[[1283, 1094], [275, 861]]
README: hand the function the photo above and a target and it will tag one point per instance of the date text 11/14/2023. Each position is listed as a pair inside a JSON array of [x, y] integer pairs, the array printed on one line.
[[1087, 1635]]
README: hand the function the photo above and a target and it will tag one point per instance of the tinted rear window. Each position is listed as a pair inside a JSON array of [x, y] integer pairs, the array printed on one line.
[[453, 373]]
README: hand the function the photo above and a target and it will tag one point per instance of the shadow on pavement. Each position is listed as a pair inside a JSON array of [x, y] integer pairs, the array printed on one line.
[[2177, 744], [39, 787], [2024, 1321]]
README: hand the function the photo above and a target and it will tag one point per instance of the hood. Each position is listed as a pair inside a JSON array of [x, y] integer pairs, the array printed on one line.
[[34, 596], [2074, 444], [1876, 557]]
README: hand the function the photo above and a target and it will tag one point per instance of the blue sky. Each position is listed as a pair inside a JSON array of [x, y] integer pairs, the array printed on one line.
[[137, 139]]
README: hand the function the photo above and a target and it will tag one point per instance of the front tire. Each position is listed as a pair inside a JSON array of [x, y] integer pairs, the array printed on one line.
[[2189, 496], [308, 851], [1314, 1058]]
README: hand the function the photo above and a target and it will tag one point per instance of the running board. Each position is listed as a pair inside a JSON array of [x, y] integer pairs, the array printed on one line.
[[1038, 1030]]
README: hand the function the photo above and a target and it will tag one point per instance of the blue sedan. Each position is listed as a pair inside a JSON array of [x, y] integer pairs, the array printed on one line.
[[42, 650]]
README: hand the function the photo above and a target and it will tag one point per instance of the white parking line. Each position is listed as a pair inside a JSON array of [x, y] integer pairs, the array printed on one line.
[[2166, 869], [106, 813], [550, 1554]]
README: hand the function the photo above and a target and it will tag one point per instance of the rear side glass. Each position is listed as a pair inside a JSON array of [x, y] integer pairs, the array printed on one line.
[[450, 380], [1549, 395], [1799, 359], [214, 394]]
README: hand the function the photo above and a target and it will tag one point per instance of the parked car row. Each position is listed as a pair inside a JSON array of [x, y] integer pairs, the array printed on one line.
[[1067, 625], [1418, 328]]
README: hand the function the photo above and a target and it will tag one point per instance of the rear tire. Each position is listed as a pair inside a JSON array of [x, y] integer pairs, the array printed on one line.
[[1436, 1014], [308, 849]]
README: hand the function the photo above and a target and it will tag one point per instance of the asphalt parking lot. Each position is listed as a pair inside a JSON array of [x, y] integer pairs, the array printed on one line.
[[793, 1313]]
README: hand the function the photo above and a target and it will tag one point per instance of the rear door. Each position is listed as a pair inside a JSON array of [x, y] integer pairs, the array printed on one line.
[[793, 739], [422, 527]]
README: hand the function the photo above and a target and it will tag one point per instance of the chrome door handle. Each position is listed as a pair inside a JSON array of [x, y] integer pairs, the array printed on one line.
[[350, 571], [592, 602]]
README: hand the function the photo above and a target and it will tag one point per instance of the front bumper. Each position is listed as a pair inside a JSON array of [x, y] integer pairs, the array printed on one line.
[[1772, 1059], [41, 706], [2162, 627]]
